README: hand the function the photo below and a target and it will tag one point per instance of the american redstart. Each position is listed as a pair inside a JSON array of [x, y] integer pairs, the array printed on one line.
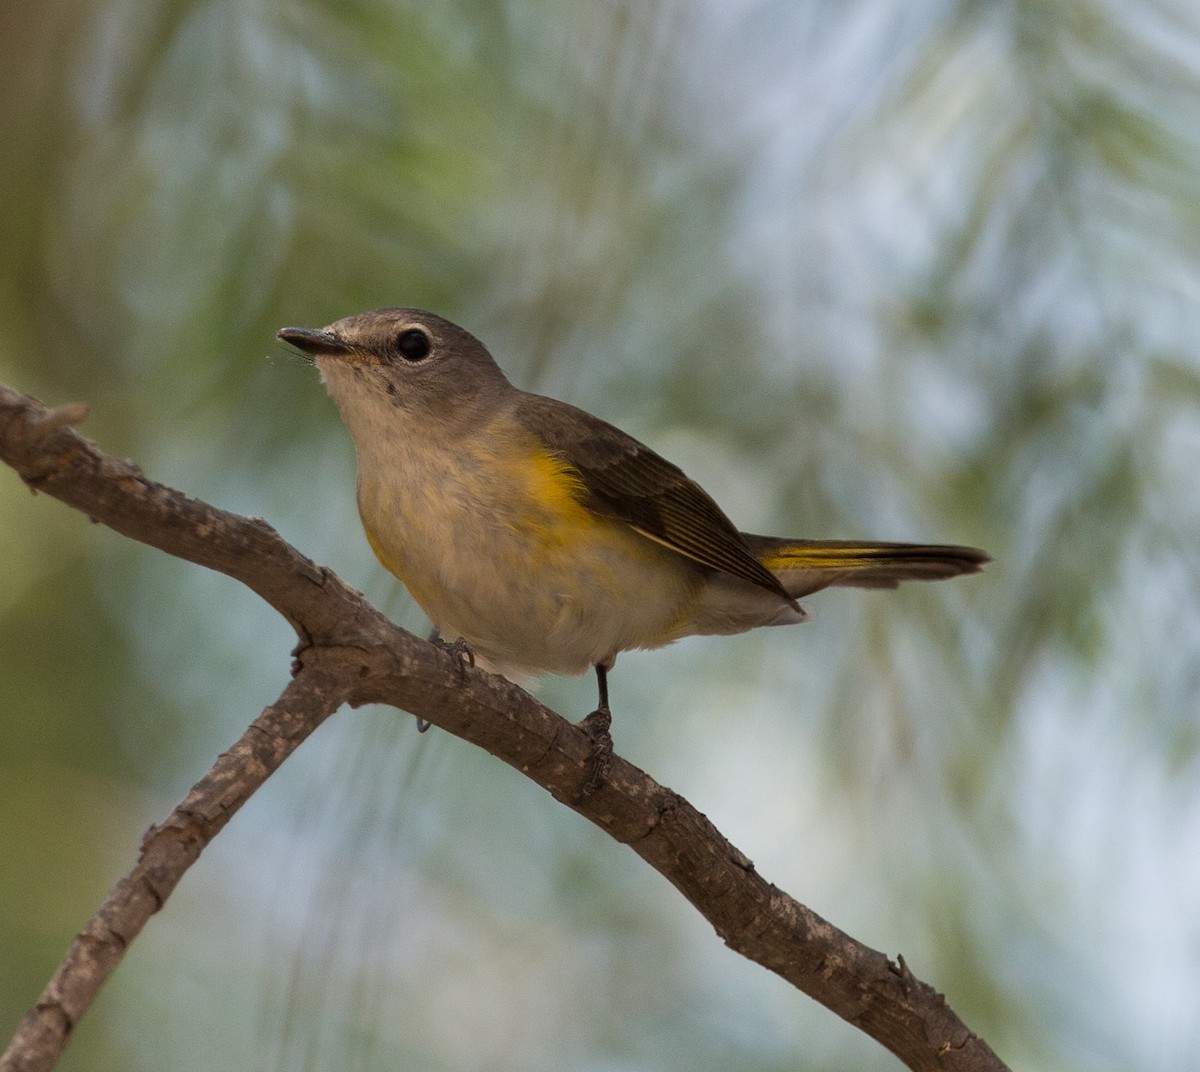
[[545, 538]]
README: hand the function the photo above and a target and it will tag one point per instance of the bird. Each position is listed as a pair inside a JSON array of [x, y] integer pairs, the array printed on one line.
[[543, 538]]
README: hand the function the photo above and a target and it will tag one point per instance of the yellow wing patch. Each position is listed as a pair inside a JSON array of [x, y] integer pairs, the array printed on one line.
[[555, 494]]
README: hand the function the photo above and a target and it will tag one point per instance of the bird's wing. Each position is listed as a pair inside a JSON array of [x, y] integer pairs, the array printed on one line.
[[626, 480]]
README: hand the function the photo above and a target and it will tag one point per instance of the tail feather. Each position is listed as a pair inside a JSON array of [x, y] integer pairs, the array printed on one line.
[[805, 566]]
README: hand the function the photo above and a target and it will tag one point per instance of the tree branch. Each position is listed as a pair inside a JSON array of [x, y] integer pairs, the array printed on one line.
[[167, 852], [349, 653]]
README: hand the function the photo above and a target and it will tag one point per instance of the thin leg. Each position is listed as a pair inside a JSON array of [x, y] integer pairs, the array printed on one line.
[[597, 726]]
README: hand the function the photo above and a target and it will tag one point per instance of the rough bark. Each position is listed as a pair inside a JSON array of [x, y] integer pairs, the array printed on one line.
[[349, 653]]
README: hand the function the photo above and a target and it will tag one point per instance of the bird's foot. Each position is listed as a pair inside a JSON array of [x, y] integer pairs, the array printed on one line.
[[459, 650], [597, 726]]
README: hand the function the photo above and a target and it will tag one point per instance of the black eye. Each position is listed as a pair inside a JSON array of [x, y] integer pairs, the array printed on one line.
[[413, 344]]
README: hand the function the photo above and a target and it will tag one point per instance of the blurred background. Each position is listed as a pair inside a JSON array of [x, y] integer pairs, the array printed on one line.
[[921, 271]]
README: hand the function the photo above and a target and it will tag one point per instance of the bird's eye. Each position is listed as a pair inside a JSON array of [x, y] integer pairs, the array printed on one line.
[[413, 344]]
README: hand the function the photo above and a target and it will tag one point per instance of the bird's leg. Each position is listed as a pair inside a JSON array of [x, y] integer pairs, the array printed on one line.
[[597, 726], [459, 650]]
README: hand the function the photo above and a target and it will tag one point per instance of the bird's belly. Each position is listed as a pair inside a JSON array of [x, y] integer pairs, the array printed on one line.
[[533, 582]]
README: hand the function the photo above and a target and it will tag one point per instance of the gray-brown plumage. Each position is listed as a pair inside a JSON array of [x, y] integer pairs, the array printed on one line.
[[629, 482], [545, 537]]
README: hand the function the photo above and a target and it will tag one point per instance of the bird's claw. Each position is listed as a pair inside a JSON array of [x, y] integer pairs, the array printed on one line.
[[458, 650], [597, 726]]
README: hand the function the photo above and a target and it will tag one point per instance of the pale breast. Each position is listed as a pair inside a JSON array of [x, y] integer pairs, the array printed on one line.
[[496, 547]]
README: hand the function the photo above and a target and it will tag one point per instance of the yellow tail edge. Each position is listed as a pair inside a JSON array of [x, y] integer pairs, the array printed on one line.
[[803, 566]]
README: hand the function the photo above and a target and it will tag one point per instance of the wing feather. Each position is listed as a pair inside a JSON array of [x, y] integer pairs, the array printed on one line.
[[626, 480]]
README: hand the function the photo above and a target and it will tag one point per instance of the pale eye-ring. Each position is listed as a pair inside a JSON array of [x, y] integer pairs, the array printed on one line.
[[413, 344]]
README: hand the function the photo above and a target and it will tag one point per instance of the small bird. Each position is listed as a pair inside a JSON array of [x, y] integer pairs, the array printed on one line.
[[544, 538]]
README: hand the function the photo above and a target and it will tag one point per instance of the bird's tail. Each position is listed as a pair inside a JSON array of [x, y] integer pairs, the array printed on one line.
[[804, 566]]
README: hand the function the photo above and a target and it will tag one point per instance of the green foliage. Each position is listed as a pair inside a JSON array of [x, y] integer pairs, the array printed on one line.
[[924, 273]]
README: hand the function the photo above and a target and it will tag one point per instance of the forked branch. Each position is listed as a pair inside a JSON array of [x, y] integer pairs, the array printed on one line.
[[349, 653]]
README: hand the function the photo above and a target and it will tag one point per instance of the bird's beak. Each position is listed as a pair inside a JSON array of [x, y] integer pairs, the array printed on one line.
[[314, 343]]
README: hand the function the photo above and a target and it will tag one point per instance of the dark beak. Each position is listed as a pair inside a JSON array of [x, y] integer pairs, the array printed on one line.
[[314, 343]]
